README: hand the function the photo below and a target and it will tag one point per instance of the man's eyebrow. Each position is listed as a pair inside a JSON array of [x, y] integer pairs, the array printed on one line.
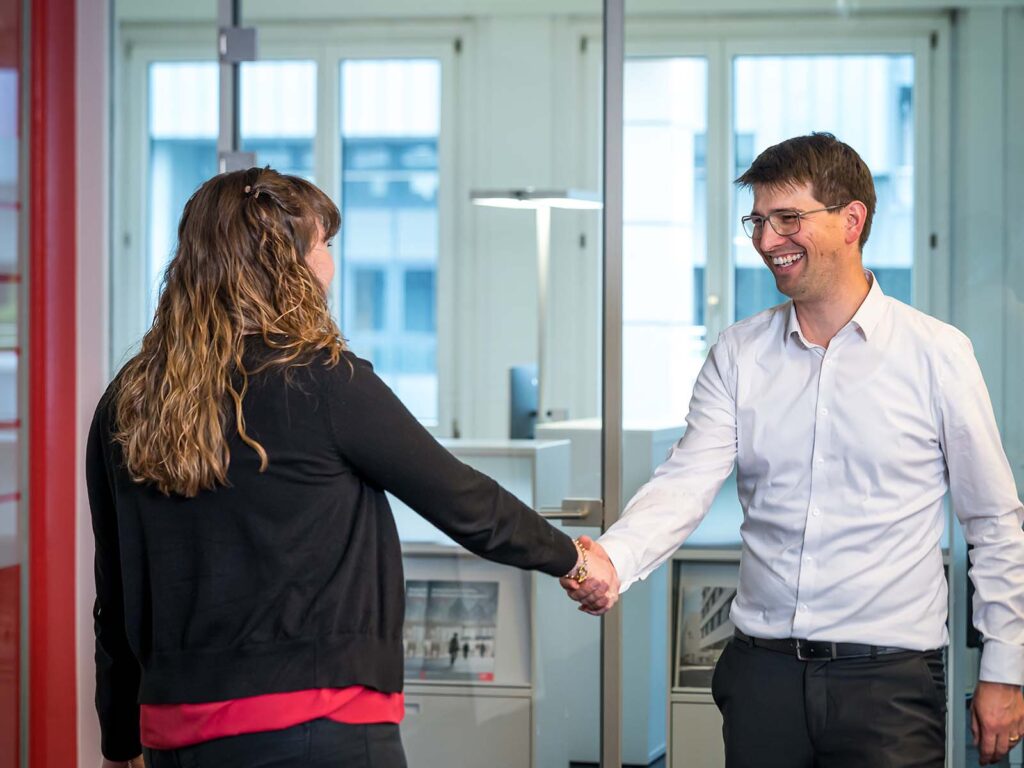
[[786, 208]]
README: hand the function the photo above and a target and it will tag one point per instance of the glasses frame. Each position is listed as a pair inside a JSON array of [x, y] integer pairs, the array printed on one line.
[[756, 223]]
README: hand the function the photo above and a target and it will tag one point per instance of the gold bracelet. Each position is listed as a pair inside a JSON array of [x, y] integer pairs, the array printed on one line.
[[581, 573]]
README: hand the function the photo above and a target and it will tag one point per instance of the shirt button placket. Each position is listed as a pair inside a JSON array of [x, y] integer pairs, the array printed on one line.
[[812, 526]]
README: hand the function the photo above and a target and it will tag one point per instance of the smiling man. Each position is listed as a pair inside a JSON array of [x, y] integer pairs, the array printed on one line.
[[848, 416]]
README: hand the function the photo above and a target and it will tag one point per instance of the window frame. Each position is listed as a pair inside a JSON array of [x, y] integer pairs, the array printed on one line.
[[327, 45]]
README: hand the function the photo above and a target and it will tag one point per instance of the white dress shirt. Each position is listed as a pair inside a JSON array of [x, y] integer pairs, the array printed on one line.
[[844, 456]]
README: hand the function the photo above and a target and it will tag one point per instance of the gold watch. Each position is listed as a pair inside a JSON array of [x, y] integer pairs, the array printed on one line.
[[580, 574]]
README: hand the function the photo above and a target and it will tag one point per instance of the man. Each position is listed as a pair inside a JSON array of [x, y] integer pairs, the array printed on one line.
[[849, 415]]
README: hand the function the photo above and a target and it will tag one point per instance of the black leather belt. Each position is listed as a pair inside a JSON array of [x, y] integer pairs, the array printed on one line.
[[817, 650]]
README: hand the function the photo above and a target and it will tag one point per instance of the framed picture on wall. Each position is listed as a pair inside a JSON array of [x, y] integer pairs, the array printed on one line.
[[450, 630], [702, 592]]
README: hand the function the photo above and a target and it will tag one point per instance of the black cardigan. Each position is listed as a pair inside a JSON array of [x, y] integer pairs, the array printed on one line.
[[288, 579]]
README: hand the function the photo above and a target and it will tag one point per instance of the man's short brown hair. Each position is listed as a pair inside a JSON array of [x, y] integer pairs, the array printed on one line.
[[836, 173]]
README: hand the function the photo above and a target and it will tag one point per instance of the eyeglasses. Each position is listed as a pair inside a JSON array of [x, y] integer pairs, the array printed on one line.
[[783, 222]]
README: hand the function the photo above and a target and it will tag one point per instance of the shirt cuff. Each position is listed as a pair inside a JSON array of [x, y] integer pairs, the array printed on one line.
[[1002, 663], [618, 553]]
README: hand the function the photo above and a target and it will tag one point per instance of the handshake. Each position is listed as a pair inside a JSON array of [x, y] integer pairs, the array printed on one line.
[[598, 590]]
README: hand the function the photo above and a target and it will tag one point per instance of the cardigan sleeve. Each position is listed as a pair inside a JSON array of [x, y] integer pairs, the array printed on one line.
[[388, 446], [117, 669]]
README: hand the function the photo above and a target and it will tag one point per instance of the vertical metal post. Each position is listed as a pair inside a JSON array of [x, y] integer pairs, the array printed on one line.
[[234, 45], [611, 377], [229, 135], [543, 213]]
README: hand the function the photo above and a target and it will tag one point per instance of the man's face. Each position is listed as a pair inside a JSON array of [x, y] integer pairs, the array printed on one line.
[[806, 263]]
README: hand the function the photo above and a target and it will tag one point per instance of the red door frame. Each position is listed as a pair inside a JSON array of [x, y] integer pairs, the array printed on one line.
[[52, 471]]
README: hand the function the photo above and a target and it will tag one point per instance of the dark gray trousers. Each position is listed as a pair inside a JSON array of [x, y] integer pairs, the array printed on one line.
[[316, 744], [780, 712]]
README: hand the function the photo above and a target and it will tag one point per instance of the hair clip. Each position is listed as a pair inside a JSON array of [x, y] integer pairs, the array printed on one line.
[[248, 188]]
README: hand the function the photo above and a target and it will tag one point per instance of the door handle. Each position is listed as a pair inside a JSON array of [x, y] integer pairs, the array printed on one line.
[[576, 512]]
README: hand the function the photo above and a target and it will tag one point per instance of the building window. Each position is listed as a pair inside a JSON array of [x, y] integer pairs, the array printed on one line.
[[664, 234]]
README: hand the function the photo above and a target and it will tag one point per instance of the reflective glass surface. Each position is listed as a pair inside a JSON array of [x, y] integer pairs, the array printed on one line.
[[390, 126]]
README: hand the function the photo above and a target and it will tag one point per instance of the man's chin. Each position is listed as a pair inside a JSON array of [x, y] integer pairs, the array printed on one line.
[[786, 289]]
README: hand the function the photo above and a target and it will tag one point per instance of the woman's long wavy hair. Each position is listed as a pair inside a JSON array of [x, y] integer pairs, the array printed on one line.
[[239, 269]]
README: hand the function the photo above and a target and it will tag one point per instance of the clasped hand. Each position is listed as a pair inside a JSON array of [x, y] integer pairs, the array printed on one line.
[[600, 589]]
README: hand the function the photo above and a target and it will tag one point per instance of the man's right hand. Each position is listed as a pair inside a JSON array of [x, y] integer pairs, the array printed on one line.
[[600, 590]]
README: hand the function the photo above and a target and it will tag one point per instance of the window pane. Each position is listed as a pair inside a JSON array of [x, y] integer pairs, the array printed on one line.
[[278, 122], [867, 102], [368, 299], [664, 235], [419, 300], [389, 166], [183, 115], [278, 118]]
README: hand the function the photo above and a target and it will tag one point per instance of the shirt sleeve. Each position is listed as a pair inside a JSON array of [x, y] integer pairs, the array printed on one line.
[[670, 506], [117, 670], [985, 501], [390, 448]]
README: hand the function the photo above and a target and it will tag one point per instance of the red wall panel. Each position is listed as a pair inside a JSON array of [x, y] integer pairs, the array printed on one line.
[[52, 739]]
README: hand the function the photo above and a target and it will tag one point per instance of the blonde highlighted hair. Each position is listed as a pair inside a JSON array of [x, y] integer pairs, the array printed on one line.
[[239, 269]]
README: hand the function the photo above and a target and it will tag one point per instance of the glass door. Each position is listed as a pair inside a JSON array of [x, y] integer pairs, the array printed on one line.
[[452, 304], [498, 661]]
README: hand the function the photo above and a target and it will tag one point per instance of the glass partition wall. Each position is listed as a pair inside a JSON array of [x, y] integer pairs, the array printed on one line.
[[425, 285]]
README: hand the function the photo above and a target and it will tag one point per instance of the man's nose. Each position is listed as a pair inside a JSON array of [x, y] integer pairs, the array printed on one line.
[[770, 238]]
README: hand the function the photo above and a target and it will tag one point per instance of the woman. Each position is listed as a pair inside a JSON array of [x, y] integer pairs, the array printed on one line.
[[250, 595]]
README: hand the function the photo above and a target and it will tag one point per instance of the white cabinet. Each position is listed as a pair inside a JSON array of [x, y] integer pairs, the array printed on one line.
[[465, 727], [696, 726]]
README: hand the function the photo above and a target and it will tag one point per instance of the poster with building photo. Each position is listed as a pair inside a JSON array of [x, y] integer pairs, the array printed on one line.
[[702, 628], [450, 630]]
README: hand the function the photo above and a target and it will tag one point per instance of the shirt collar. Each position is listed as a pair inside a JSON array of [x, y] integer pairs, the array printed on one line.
[[870, 311], [866, 316]]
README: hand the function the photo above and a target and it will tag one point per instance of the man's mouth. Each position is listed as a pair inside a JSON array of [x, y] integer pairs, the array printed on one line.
[[783, 260]]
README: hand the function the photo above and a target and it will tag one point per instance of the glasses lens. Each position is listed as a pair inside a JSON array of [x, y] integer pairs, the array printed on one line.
[[785, 222], [749, 225]]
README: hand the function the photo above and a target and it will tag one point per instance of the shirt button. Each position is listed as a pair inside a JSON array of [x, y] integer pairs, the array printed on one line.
[[803, 606], [819, 461], [824, 411], [808, 559], [815, 511]]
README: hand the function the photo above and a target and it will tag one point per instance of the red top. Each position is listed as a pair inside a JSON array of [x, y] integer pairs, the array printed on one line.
[[171, 726]]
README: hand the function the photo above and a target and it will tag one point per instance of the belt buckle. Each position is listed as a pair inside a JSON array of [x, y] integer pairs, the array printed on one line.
[[800, 651], [805, 650]]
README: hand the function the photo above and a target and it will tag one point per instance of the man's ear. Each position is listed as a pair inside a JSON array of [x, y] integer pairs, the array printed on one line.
[[855, 216]]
